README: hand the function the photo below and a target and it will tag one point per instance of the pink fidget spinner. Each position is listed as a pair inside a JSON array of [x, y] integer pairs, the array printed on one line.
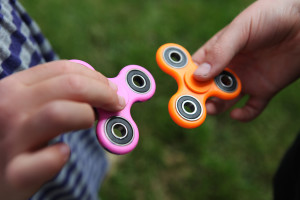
[[116, 131]]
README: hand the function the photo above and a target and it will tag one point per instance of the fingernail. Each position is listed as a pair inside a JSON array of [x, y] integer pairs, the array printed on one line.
[[122, 102], [203, 70], [112, 85], [65, 150]]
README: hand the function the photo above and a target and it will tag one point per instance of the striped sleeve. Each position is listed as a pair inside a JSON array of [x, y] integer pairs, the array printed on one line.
[[22, 44]]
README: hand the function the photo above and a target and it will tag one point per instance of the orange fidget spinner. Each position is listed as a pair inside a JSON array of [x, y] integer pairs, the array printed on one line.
[[187, 106]]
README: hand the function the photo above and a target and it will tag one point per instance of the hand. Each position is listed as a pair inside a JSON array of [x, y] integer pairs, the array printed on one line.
[[37, 105], [262, 45]]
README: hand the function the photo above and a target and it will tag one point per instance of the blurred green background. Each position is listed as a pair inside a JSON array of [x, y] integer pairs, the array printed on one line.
[[222, 159]]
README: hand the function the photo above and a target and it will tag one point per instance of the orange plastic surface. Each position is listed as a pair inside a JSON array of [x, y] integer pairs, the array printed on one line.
[[187, 85]]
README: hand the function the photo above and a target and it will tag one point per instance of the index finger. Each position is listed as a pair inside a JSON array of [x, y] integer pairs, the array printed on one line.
[[56, 68]]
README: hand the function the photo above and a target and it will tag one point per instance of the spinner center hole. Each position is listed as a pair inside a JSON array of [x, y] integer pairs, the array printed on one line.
[[226, 80], [138, 81], [175, 57], [119, 130], [189, 107]]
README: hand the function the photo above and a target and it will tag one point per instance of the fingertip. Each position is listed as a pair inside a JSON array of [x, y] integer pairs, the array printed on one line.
[[202, 72], [252, 109], [241, 115], [122, 102], [65, 152], [236, 114]]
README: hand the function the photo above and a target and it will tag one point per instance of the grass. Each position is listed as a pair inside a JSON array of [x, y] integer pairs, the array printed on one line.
[[222, 159]]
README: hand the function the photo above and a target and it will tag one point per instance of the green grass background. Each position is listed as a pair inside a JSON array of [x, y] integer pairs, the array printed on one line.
[[222, 159]]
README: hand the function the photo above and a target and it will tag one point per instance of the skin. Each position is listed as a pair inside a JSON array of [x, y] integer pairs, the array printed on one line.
[[262, 45], [48, 100]]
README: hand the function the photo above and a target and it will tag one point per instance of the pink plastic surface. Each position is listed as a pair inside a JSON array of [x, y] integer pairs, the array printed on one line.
[[130, 97]]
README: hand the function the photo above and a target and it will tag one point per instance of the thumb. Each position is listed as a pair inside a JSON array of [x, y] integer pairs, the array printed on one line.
[[28, 171], [218, 52]]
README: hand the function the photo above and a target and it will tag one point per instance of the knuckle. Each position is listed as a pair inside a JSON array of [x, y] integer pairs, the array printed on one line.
[[54, 112], [64, 67], [75, 85], [10, 121], [214, 50]]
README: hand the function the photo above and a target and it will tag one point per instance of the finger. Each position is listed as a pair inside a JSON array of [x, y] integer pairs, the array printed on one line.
[[28, 171], [56, 68], [77, 88], [217, 53], [251, 110], [215, 105], [55, 118]]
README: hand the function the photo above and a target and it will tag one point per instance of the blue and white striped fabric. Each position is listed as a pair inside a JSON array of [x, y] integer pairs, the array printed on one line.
[[23, 46]]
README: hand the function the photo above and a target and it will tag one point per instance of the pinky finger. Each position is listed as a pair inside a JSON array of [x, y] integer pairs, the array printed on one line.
[[28, 171], [250, 111]]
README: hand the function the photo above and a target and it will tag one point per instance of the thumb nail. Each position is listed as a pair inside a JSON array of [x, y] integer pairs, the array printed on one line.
[[203, 70], [122, 102]]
